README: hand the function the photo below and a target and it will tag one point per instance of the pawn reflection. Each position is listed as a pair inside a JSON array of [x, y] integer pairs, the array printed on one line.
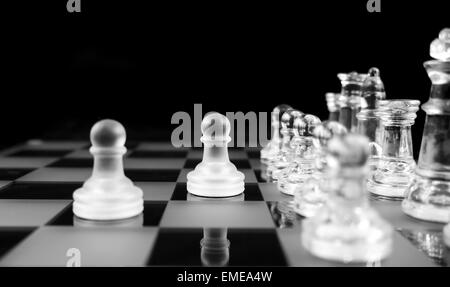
[[215, 246]]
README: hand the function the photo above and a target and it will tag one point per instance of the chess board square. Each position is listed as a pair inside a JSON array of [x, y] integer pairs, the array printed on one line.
[[249, 175], [270, 192], [261, 176], [251, 193], [151, 216], [180, 247], [19, 190], [29, 213], [404, 254], [25, 162], [190, 214], [239, 163], [158, 154], [10, 237], [157, 191], [13, 173], [55, 145], [53, 174], [39, 153], [159, 146], [163, 175], [254, 154], [255, 163], [233, 154], [105, 246], [4, 183]]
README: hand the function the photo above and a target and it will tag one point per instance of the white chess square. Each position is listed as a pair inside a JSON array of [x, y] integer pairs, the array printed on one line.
[[270, 192], [99, 246], [29, 213]]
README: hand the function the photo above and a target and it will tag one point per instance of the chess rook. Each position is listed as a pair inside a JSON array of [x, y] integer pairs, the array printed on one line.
[[108, 194], [333, 106], [428, 197], [215, 176], [350, 99]]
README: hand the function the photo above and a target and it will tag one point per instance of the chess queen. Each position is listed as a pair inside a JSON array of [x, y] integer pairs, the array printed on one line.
[[428, 197]]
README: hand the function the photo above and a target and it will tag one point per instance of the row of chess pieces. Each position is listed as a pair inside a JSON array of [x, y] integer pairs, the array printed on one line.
[[364, 148], [326, 166]]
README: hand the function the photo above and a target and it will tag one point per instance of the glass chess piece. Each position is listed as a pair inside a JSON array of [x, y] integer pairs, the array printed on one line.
[[302, 166], [350, 99], [285, 155], [313, 193], [368, 121], [446, 235], [395, 167], [346, 228], [274, 145], [333, 106], [428, 197]]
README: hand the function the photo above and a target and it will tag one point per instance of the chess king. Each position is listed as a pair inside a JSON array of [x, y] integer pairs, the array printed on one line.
[[428, 197]]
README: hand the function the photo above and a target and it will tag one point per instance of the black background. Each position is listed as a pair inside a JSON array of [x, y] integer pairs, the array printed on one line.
[[139, 63]]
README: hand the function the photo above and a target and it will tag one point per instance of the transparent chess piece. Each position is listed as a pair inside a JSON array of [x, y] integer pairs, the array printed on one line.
[[395, 167], [303, 163], [446, 235], [368, 121], [274, 145], [285, 156], [350, 99], [333, 106], [346, 228], [428, 197], [313, 193]]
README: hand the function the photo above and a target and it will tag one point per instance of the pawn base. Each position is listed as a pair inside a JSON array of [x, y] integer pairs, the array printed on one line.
[[337, 241], [105, 200], [215, 180], [428, 199], [446, 234]]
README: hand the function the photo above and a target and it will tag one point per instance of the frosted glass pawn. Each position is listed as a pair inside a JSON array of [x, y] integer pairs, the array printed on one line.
[[108, 194], [215, 176]]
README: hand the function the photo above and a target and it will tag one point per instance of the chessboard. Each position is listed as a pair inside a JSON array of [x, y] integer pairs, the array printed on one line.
[[38, 228]]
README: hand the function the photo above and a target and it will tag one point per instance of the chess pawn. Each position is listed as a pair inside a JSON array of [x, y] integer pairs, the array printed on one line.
[[108, 194], [368, 121], [350, 99], [273, 147], [284, 157], [302, 166], [346, 228], [215, 247], [333, 106], [395, 167], [215, 176], [312, 195], [428, 197]]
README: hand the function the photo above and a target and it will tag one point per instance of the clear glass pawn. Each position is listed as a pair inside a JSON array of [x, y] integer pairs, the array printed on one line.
[[368, 122], [285, 155], [346, 228], [428, 197], [274, 145], [302, 166], [395, 167], [333, 106], [310, 196]]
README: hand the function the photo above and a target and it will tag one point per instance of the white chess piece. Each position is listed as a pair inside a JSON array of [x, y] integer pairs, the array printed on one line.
[[215, 176], [108, 194]]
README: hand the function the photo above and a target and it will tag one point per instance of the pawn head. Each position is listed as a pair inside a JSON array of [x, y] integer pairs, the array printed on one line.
[[108, 134], [215, 125], [289, 118]]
